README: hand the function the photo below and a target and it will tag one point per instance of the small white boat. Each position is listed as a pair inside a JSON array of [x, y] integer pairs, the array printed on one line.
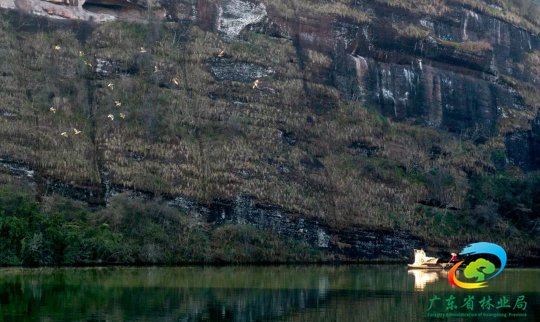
[[421, 261]]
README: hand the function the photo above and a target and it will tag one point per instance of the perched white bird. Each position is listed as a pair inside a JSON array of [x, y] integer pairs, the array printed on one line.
[[57, 47], [110, 85], [142, 50], [156, 69], [221, 53], [81, 53], [76, 131], [52, 109], [111, 117], [64, 134], [175, 81], [117, 103], [256, 84], [122, 115], [87, 63]]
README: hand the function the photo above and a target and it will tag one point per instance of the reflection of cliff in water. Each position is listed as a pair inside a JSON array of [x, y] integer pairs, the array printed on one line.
[[285, 293], [235, 293], [254, 305], [152, 301], [204, 304]]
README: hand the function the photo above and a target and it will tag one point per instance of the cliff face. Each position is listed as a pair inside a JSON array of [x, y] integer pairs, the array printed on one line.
[[448, 71], [362, 127]]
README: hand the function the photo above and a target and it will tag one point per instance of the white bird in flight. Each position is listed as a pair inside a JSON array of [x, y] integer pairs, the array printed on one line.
[[64, 134], [52, 109], [111, 117], [76, 131], [117, 103]]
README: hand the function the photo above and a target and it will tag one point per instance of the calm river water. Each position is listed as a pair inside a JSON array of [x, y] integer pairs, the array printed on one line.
[[261, 293]]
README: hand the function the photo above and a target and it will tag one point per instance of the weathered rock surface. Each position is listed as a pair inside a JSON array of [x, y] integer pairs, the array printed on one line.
[[88, 10], [349, 244], [523, 147], [433, 80], [68, 9], [433, 96], [226, 69], [235, 15]]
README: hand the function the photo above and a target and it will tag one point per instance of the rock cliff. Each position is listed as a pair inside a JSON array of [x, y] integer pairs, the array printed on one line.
[[365, 128]]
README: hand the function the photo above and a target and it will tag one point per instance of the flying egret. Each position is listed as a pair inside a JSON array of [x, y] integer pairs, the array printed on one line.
[[256, 84], [122, 115], [111, 117], [52, 109], [117, 103], [64, 134], [76, 131]]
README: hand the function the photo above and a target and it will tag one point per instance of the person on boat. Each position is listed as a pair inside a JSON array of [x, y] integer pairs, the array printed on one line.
[[454, 258]]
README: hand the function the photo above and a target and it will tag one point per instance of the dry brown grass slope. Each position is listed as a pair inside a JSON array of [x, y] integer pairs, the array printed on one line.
[[207, 139]]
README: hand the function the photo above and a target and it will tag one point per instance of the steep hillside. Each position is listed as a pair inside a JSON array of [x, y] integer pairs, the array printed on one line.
[[360, 129]]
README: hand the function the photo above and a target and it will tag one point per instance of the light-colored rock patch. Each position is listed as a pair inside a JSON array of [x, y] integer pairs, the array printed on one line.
[[235, 15]]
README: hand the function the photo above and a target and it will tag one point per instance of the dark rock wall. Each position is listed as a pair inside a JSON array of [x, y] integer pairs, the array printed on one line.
[[434, 80], [432, 96], [523, 147], [348, 244]]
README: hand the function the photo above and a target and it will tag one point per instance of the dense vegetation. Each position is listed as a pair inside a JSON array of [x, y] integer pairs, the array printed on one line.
[[59, 231]]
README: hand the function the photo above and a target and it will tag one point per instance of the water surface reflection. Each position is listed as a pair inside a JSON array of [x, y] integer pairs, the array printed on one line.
[[423, 277], [272, 293]]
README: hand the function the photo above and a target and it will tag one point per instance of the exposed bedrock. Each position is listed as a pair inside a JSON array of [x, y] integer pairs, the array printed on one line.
[[523, 147], [430, 95], [235, 15], [436, 81], [225, 69], [347, 244], [87, 10]]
